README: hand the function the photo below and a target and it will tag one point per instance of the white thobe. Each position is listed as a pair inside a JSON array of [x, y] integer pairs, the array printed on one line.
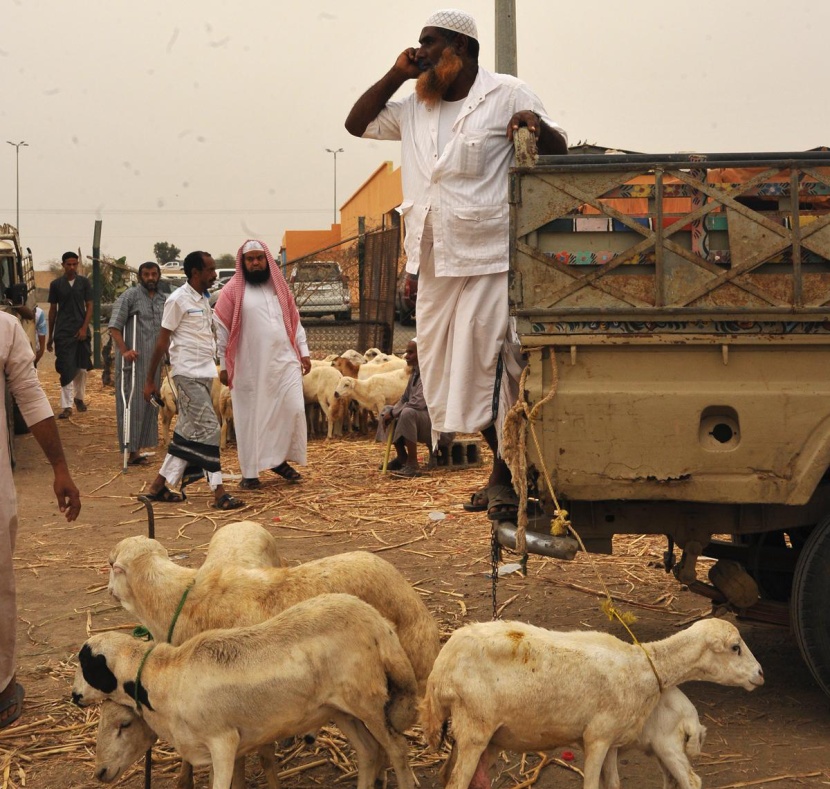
[[267, 393]]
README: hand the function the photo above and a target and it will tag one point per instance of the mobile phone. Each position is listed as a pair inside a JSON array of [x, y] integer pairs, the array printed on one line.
[[155, 401]]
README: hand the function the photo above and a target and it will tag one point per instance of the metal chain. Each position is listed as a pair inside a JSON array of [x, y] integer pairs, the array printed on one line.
[[495, 558]]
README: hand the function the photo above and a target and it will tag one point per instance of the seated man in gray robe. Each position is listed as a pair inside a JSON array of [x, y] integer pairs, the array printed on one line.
[[413, 423]]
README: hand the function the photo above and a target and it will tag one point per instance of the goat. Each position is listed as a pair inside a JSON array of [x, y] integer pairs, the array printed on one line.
[[375, 392], [509, 685], [318, 387], [364, 371], [226, 692]]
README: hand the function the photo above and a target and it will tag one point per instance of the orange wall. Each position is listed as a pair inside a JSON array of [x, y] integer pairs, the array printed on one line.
[[377, 197], [297, 243]]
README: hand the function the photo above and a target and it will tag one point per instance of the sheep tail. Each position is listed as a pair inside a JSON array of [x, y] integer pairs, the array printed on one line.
[[402, 688], [434, 718]]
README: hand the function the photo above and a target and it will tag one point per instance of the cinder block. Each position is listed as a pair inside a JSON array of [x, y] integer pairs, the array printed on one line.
[[462, 453]]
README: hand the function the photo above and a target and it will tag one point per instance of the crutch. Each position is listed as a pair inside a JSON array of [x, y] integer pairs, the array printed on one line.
[[128, 401]]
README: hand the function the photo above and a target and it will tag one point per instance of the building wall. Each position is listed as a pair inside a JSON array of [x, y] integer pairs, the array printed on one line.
[[297, 243], [376, 200]]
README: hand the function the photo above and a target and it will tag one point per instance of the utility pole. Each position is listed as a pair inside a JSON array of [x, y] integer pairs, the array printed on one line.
[[506, 60], [339, 150], [17, 146]]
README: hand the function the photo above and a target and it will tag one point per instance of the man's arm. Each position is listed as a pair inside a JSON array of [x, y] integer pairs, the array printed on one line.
[[548, 141], [85, 325], [162, 346], [41, 347], [67, 494], [369, 105], [118, 339], [53, 316]]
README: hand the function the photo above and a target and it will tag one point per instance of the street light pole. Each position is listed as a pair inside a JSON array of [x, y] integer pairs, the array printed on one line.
[[17, 175], [339, 150]]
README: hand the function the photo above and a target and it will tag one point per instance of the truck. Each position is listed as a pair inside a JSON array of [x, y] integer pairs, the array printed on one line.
[[18, 298], [675, 309]]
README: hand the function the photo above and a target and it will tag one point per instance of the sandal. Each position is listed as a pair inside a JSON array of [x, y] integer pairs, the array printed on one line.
[[478, 501], [227, 502], [396, 464], [12, 707], [408, 472], [286, 472], [249, 483], [141, 460], [165, 495], [502, 503]]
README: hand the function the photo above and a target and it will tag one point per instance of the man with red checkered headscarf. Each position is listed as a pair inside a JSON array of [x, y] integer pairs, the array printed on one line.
[[263, 356]]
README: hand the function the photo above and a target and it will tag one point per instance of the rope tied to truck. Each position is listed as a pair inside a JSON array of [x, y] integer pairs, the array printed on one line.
[[518, 422]]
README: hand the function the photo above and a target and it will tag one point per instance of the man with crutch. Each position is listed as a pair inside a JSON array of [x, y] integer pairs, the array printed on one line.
[[134, 328]]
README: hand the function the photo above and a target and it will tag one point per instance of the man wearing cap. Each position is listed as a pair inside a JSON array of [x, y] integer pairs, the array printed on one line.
[[134, 327], [187, 333], [456, 131], [263, 356]]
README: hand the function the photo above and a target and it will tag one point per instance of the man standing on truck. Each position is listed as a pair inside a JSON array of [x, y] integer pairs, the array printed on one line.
[[70, 311], [18, 373], [457, 133], [134, 327]]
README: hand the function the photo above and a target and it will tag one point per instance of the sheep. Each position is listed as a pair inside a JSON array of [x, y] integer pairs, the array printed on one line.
[[318, 387], [364, 371], [376, 392], [353, 356], [225, 415], [509, 685], [150, 586], [226, 692], [244, 544], [169, 406]]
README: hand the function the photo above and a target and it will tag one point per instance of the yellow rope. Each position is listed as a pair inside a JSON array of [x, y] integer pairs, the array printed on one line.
[[519, 420]]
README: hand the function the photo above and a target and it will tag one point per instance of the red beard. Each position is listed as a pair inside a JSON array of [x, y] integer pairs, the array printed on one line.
[[435, 81]]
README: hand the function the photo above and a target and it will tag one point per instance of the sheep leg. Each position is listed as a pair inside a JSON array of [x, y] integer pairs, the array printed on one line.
[[185, 777], [610, 777], [238, 781], [223, 761], [678, 772], [595, 754], [396, 748], [366, 748], [472, 760], [268, 763]]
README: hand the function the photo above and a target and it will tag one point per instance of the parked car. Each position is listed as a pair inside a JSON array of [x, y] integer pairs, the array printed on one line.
[[321, 288], [405, 295]]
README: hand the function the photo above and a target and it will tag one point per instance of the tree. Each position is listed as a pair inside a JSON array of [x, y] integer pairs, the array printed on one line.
[[225, 261], [166, 253]]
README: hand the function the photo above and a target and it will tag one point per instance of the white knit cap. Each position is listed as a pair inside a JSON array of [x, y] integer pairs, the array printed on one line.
[[252, 246], [455, 20]]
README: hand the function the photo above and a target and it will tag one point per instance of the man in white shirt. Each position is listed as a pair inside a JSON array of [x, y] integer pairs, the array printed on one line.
[[186, 331], [263, 356], [457, 132]]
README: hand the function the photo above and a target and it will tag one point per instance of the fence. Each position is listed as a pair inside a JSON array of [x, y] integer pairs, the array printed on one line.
[[346, 293]]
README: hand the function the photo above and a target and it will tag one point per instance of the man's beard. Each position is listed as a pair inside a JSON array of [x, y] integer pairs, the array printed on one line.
[[434, 82], [256, 277], [151, 286]]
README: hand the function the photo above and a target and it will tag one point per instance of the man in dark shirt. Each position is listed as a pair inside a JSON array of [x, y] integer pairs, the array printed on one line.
[[70, 311]]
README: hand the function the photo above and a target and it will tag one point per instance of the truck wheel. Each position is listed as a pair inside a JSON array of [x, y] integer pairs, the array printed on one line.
[[808, 605]]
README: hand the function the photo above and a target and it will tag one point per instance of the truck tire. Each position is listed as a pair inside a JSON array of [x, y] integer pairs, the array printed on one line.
[[809, 604]]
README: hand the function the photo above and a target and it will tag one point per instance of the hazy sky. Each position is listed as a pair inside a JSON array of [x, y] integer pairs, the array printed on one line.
[[202, 122]]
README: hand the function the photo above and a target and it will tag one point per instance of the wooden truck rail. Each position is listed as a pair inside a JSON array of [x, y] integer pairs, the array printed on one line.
[[685, 303]]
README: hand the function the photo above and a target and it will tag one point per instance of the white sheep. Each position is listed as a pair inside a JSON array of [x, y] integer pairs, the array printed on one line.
[[672, 734], [372, 353], [375, 392], [225, 415], [149, 585], [353, 356], [318, 387], [513, 686], [225, 692], [363, 371], [169, 406]]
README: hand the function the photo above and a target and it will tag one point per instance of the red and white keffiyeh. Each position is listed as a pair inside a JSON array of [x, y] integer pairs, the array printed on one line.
[[229, 305]]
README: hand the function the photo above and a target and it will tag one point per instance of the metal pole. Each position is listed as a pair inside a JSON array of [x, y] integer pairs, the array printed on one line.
[[506, 60], [339, 150], [17, 146], [96, 294]]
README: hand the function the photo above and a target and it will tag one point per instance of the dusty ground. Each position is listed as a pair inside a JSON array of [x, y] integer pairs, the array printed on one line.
[[778, 736]]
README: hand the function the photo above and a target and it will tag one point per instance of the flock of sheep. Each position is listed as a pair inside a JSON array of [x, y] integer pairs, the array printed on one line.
[[340, 393], [248, 651]]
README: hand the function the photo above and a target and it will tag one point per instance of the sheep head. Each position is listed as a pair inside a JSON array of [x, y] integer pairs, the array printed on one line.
[[346, 367], [107, 663], [123, 738], [726, 659], [131, 552], [345, 387]]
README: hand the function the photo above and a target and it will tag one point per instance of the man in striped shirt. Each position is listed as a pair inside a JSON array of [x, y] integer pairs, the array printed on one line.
[[456, 132]]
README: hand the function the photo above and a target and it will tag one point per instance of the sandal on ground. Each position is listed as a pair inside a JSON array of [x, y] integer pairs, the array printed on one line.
[[65, 414], [227, 502], [12, 707], [286, 472], [478, 501], [249, 483], [396, 464], [408, 472], [166, 496], [502, 503], [80, 405], [141, 460]]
